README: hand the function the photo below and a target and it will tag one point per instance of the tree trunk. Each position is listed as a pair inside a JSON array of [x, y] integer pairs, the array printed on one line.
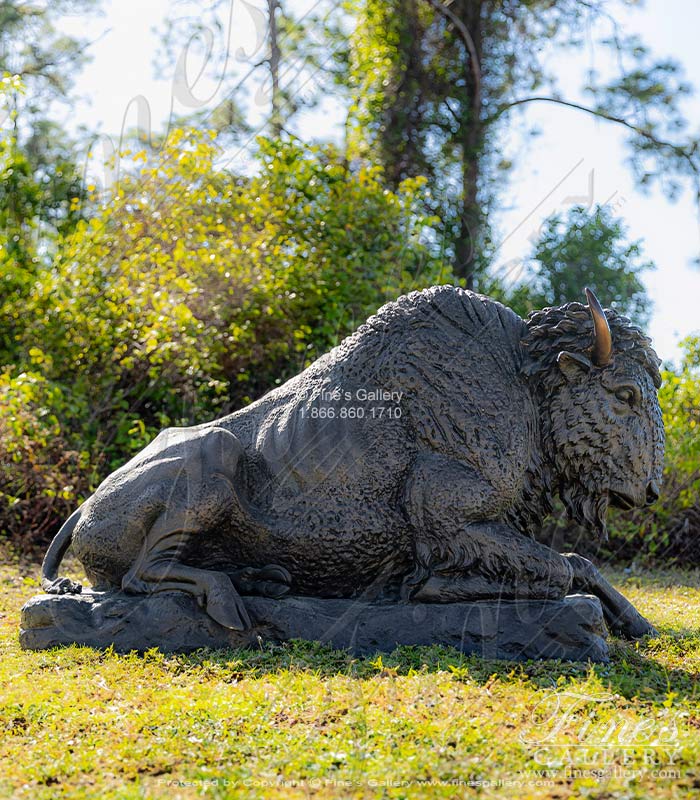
[[275, 57], [471, 141]]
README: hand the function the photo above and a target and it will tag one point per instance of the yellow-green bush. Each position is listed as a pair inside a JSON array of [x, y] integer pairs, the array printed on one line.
[[41, 474], [194, 290]]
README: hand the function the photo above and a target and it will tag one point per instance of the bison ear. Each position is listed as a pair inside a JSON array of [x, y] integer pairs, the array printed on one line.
[[573, 365]]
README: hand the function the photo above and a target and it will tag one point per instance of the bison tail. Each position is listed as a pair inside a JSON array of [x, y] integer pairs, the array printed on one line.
[[50, 582]]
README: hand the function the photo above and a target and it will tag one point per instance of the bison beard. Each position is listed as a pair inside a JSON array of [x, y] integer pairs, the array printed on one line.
[[580, 464], [584, 507]]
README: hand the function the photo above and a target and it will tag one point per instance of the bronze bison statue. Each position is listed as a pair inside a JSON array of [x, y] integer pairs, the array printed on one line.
[[414, 461]]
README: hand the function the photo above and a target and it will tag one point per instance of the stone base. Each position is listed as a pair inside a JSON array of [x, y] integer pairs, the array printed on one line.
[[571, 628]]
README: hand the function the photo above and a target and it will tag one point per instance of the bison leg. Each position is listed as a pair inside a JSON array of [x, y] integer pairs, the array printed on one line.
[[622, 617], [158, 569], [490, 560], [461, 553]]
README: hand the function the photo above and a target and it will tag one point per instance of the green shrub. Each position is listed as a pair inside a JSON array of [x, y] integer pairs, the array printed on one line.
[[196, 288], [41, 474], [194, 291]]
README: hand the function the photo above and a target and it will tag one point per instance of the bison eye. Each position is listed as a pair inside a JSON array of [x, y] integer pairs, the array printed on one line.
[[628, 394]]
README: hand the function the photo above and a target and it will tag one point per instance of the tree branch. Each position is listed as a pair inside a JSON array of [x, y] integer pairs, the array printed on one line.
[[676, 148], [463, 31]]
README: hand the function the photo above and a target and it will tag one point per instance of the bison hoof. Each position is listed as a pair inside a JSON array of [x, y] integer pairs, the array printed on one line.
[[633, 627], [62, 586], [270, 581], [225, 607]]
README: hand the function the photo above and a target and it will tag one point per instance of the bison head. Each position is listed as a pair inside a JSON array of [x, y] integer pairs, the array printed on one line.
[[601, 423]]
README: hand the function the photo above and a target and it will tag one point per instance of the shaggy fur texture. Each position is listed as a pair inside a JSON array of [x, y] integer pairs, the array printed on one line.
[[580, 431]]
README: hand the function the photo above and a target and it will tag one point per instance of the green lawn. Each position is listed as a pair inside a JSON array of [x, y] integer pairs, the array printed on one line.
[[303, 720]]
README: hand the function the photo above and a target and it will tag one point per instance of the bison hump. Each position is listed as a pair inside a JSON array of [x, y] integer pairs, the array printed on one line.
[[460, 368]]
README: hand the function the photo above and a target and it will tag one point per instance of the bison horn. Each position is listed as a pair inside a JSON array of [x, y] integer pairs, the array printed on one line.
[[602, 341]]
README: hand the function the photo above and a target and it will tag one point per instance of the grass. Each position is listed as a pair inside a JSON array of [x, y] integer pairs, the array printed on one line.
[[303, 720]]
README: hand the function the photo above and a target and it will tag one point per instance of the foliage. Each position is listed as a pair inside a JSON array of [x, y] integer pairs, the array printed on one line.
[[39, 199], [680, 399], [19, 198], [691, 355], [304, 720], [19, 193], [41, 476], [33, 47], [41, 180], [194, 291], [585, 249]]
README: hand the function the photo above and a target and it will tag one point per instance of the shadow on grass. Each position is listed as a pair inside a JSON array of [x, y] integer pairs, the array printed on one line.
[[633, 672]]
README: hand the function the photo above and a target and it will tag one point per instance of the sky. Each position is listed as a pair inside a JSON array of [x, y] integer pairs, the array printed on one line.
[[576, 159]]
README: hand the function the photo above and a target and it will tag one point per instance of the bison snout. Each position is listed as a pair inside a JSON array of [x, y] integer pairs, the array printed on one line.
[[652, 492]]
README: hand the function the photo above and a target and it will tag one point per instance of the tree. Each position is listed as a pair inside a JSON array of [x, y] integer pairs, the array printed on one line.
[[19, 195], [284, 48], [41, 184], [585, 249], [32, 48], [434, 81], [39, 191]]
